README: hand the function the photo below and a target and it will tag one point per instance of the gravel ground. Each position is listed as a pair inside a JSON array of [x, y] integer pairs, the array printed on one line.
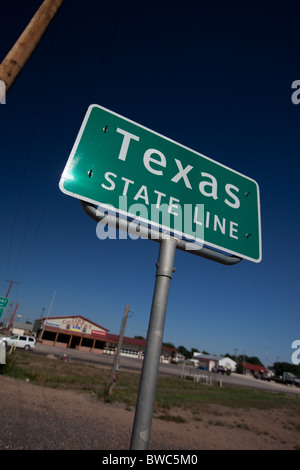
[[38, 418]]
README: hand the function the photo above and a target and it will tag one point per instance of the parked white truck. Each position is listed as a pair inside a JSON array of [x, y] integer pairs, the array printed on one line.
[[290, 379]]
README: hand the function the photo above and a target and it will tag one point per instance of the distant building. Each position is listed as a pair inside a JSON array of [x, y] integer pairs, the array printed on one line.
[[208, 361], [22, 328], [77, 332], [257, 371]]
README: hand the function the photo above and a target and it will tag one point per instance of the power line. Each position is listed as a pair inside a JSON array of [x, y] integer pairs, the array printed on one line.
[[67, 88], [46, 158], [28, 153], [108, 47], [47, 154], [43, 81], [15, 61]]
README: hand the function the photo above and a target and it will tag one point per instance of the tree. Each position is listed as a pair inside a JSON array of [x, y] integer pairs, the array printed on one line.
[[169, 345], [253, 360], [193, 350], [249, 359], [280, 367], [182, 350]]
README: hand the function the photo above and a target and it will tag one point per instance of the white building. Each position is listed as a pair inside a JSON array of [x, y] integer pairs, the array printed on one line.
[[208, 361], [226, 362]]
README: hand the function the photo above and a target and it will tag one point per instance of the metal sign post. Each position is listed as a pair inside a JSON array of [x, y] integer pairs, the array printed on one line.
[[146, 396], [114, 158], [141, 430]]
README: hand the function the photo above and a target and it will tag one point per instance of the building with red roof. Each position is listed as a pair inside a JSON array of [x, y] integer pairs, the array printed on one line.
[[256, 370], [77, 332]]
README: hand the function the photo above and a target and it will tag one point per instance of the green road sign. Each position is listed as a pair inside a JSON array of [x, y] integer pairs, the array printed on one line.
[[3, 302], [144, 175]]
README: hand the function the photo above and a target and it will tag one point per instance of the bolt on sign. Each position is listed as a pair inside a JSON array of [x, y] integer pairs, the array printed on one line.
[[118, 163]]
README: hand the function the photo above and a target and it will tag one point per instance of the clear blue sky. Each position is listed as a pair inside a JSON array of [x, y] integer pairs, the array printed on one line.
[[214, 76]]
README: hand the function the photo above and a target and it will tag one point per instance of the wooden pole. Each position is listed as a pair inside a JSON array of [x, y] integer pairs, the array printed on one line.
[[10, 285], [27, 42], [114, 371], [12, 318]]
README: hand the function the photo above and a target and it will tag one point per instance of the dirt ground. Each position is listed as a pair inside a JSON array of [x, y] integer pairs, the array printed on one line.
[[38, 418]]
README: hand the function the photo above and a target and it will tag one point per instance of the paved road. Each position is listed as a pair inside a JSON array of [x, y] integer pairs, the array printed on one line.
[[169, 369]]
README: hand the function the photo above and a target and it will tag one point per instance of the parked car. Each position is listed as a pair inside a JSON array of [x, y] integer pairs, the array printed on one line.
[[222, 370], [20, 341]]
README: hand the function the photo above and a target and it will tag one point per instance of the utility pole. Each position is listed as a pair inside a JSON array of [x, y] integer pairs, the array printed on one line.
[[43, 328], [10, 286], [12, 318], [22, 50], [113, 376]]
